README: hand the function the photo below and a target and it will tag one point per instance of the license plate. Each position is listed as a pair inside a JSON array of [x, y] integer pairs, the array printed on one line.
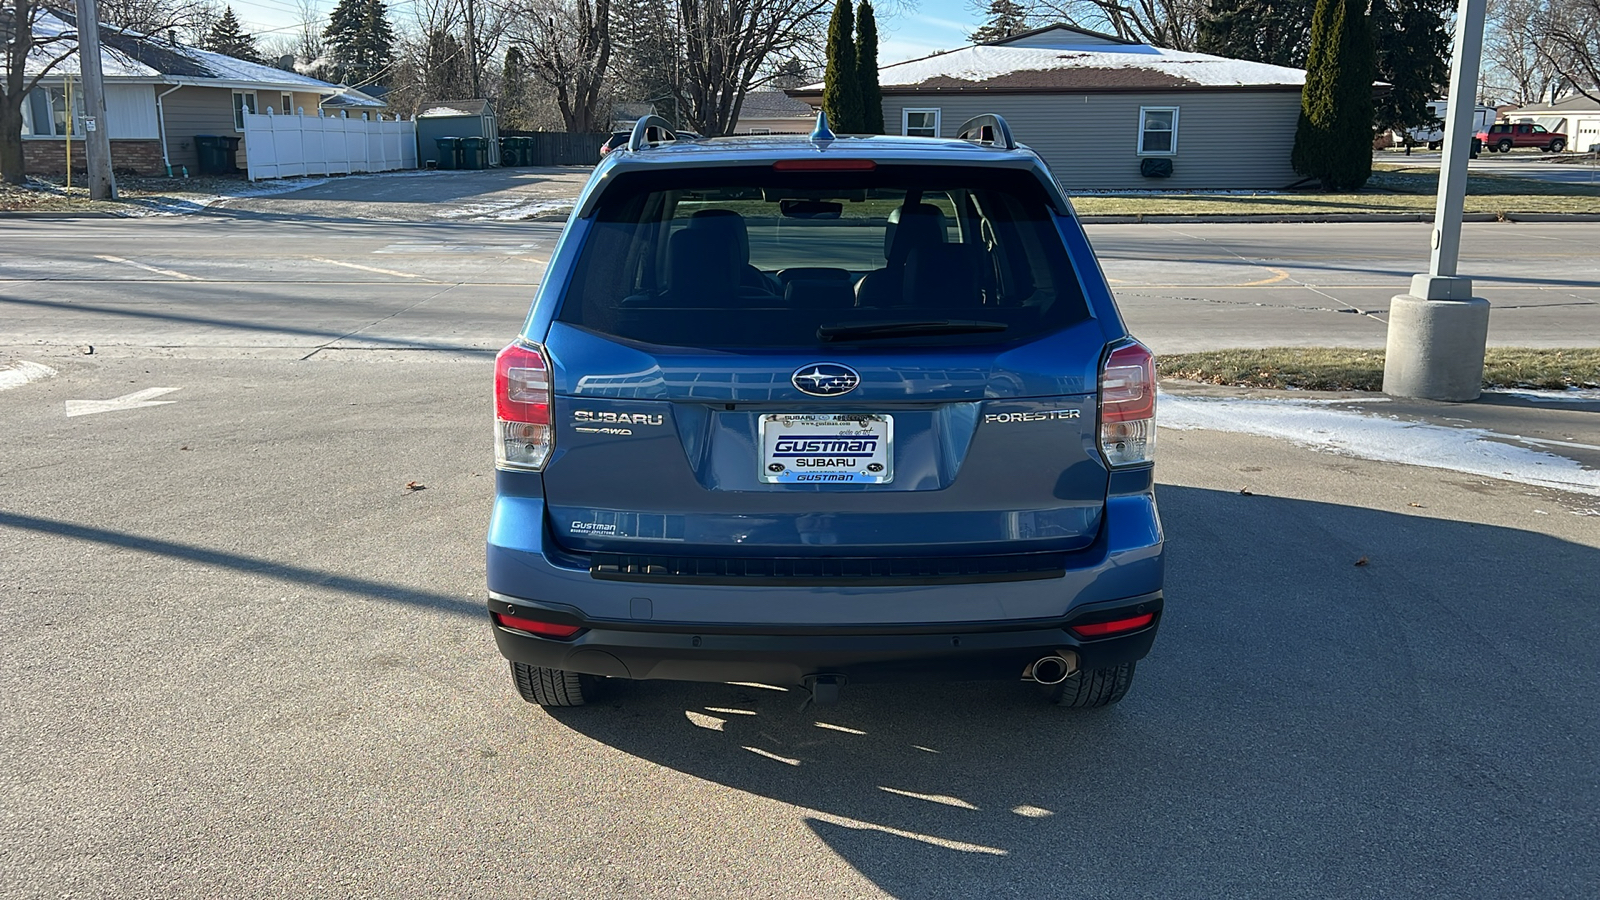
[[827, 448]]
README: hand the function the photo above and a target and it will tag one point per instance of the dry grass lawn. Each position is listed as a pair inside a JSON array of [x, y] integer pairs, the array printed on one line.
[[1347, 369]]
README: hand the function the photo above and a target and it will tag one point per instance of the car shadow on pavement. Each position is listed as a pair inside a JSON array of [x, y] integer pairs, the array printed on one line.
[[1343, 702]]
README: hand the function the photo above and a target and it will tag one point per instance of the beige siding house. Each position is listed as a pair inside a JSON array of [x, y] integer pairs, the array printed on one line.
[[160, 96], [1108, 114], [773, 112]]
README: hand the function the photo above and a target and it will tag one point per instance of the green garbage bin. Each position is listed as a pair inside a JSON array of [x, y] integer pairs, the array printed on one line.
[[209, 153], [472, 153], [449, 152], [228, 154], [510, 153], [525, 151]]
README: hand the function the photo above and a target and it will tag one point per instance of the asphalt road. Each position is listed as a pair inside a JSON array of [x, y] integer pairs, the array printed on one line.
[[252, 281], [239, 657]]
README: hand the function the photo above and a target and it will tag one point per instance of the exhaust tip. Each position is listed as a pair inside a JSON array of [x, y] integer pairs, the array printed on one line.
[[1055, 668]]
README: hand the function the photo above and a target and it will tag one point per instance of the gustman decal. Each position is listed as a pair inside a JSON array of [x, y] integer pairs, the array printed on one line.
[[799, 445]]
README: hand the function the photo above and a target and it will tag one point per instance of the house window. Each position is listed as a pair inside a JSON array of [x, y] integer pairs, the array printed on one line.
[[243, 102], [919, 122], [45, 113], [1158, 131], [287, 107]]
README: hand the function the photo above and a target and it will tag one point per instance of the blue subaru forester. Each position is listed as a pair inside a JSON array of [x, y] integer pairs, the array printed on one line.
[[822, 410]]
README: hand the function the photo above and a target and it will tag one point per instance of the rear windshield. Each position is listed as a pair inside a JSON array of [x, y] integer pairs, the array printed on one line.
[[756, 257]]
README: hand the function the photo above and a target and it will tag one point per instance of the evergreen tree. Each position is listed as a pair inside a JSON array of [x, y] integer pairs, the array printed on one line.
[[361, 42], [1333, 142], [229, 38], [871, 121], [1268, 31], [1411, 43], [1005, 18], [841, 92], [641, 34], [513, 90]]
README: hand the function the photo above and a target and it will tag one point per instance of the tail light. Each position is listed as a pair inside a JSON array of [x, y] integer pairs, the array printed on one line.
[[534, 626], [1128, 406], [522, 402], [1117, 626]]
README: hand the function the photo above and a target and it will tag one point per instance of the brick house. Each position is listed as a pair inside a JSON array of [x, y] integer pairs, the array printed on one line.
[[160, 95]]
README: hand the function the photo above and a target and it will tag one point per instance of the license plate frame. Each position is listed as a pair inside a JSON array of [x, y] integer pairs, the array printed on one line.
[[798, 441]]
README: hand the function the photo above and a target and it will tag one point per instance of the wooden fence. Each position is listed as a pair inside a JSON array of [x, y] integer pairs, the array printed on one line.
[[558, 148], [278, 146]]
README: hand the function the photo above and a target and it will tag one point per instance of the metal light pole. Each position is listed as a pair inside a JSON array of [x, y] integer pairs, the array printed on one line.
[[1438, 332], [97, 142]]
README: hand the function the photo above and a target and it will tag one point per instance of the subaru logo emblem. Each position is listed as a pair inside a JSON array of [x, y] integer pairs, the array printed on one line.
[[825, 379]]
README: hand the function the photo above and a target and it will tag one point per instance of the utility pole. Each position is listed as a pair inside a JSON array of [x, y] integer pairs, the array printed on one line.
[[96, 141], [1438, 332]]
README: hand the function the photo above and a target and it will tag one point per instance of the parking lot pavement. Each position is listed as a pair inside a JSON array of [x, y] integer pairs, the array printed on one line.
[[1518, 164], [241, 657], [1196, 287], [243, 649]]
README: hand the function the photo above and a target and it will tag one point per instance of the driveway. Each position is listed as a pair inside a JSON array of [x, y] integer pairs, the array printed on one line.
[[427, 196]]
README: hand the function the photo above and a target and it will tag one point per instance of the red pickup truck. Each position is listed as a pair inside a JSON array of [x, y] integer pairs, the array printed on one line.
[[1503, 136]]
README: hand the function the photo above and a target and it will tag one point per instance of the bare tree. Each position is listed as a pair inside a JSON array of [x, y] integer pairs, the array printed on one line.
[[158, 17], [732, 46], [1514, 70], [1174, 24], [1569, 32], [30, 55], [566, 45]]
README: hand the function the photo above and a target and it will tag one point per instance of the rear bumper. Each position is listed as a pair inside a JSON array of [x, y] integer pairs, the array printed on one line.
[[787, 656]]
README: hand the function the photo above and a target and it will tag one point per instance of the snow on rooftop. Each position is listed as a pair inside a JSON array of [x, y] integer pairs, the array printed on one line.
[[1072, 61], [125, 54]]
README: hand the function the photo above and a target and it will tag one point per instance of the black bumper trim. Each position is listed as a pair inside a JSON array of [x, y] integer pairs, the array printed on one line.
[[826, 571], [789, 654]]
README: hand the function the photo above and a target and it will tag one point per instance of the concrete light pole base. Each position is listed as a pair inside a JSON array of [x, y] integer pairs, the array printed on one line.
[[1436, 347]]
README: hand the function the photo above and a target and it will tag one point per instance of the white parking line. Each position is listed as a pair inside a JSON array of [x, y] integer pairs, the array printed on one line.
[[22, 372], [139, 265], [351, 265]]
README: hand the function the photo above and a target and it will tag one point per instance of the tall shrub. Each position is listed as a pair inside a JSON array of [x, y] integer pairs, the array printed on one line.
[[841, 90], [867, 70], [1333, 142]]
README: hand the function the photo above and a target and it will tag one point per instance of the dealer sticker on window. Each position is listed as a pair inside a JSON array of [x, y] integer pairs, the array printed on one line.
[[827, 448]]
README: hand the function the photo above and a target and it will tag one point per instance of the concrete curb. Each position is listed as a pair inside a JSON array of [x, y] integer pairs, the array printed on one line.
[[56, 214]]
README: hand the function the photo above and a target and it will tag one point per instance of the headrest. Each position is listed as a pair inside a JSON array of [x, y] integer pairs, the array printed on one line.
[[914, 226], [701, 269], [728, 225]]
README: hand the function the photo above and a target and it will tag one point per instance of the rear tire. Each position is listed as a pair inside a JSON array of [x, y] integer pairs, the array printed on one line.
[[1504, 146], [553, 687], [1092, 688]]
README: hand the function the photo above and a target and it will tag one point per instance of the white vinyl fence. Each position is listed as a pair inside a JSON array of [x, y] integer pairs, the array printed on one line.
[[278, 146]]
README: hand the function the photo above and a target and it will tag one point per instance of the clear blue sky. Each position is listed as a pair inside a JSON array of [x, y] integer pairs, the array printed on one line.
[[916, 28]]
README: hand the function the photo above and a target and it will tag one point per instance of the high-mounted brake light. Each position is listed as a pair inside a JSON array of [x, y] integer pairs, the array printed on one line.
[[1128, 406], [522, 401], [824, 165], [534, 626], [1105, 629]]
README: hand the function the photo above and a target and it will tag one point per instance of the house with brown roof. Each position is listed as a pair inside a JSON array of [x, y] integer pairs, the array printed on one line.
[[773, 112], [1106, 113]]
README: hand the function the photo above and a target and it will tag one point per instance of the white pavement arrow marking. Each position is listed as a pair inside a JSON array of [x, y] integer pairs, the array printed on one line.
[[134, 400]]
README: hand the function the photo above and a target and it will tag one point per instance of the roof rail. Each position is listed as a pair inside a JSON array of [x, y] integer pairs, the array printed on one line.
[[987, 129], [641, 132]]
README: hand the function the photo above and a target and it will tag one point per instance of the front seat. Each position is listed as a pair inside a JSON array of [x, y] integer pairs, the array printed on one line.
[[727, 225], [920, 228]]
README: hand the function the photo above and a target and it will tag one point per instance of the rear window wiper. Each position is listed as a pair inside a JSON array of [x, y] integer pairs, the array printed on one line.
[[874, 330]]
